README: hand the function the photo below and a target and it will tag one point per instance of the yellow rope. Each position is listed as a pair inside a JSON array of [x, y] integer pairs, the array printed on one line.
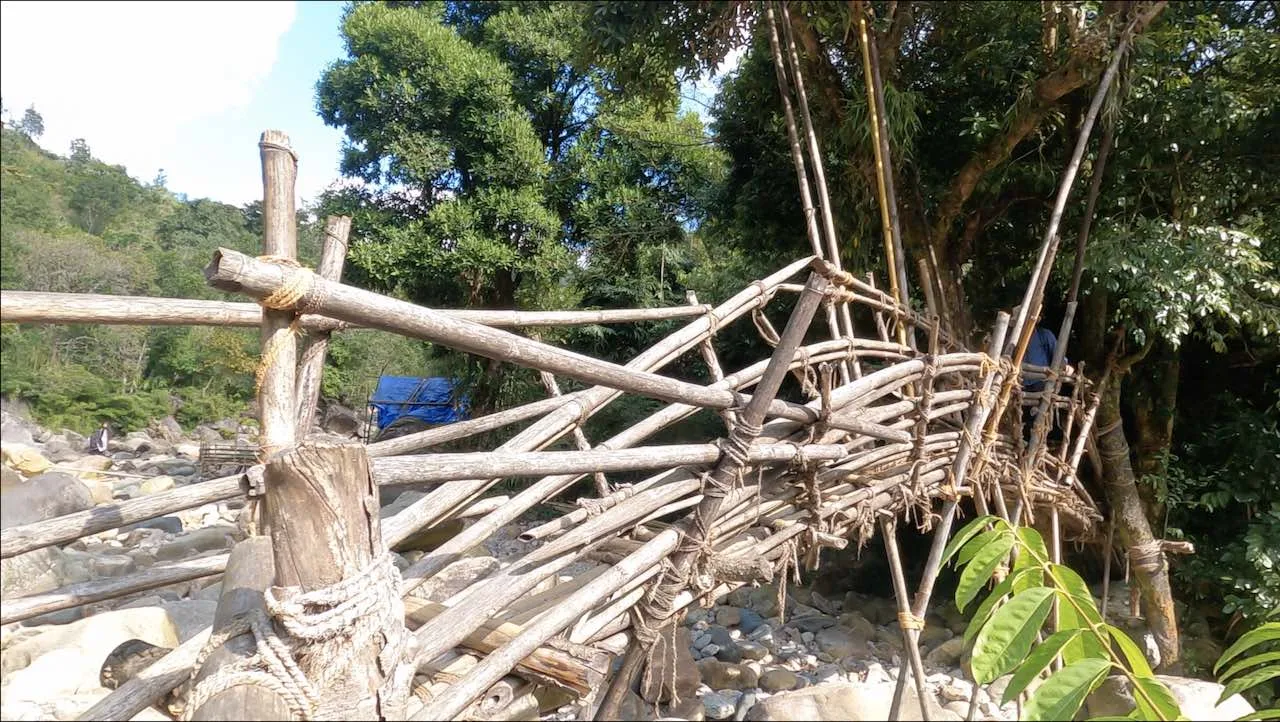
[[907, 620]]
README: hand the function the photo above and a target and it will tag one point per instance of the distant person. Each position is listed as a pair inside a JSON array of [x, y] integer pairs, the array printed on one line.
[[98, 442], [1040, 352]]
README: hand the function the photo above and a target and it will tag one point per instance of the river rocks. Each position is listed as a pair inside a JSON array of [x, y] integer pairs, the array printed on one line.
[[946, 654], [749, 621], [674, 673], [725, 675], [66, 660], [858, 625], [213, 538], [156, 484], [1197, 698], [828, 702], [717, 706], [779, 680], [839, 643], [752, 650], [729, 616], [25, 458]]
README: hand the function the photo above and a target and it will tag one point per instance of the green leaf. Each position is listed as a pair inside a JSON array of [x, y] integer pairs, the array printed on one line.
[[969, 531], [1036, 663], [1068, 581], [1134, 656], [1266, 633], [1248, 662], [1061, 696], [975, 545], [983, 612], [1034, 543], [1006, 639], [1248, 681], [1165, 705], [1086, 645], [979, 570]]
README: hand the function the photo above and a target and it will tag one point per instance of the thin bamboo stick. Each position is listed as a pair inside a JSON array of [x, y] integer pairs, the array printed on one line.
[[579, 436], [889, 534]]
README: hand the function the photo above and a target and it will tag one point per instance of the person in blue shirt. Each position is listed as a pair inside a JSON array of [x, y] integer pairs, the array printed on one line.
[[1040, 351]]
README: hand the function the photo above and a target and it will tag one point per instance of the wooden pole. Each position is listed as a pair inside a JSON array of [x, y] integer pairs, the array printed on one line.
[[276, 375], [907, 620], [234, 271], [249, 573], [579, 436], [724, 473], [81, 308], [311, 368]]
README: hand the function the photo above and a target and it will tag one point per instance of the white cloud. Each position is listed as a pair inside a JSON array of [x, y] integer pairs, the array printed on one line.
[[126, 76]]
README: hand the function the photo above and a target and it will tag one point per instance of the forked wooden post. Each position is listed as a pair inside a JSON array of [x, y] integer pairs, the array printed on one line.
[[311, 368]]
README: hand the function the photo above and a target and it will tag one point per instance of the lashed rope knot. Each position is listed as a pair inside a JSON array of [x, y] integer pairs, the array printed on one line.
[[1150, 556], [907, 620], [332, 622]]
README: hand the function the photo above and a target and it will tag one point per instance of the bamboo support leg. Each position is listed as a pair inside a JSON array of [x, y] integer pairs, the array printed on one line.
[[279, 348], [889, 534], [311, 368], [579, 437]]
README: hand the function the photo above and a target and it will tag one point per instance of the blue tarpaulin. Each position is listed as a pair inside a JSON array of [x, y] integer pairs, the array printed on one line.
[[428, 399]]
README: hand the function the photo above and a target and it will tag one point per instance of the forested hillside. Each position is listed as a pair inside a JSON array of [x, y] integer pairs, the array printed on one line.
[[74, 224]]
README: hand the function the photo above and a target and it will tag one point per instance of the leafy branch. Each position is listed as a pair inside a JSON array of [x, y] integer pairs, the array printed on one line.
[[1005, 635]]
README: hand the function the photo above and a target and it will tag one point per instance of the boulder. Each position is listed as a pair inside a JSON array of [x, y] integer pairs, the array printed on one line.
[[86, 466], [187, 450], [36, 572], [728, 616], [674, 674], [25, 458], [839, 643], [169, 524], [169, 429], [189, 616], [726, 675], [101, 492], [1197, 698], [946, 654], [779, 680], [43, 497], [66, 661], [14, 431], [213, 538], [717, 706], [341, 420], [858, 625], [843, 701], [156, 484], [9, 477]]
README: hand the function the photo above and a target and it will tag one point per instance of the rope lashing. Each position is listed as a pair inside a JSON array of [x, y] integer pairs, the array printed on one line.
[[1150, 556], [907, 620], [331, 622]]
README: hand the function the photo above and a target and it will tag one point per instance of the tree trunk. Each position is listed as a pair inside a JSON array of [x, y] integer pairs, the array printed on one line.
[[1121, 484], [1153, 401]]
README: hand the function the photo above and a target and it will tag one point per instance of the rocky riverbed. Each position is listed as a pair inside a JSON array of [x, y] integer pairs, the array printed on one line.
[[821, 657]]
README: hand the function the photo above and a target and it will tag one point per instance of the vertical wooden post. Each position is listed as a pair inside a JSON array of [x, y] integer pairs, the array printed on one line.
[[311, 368], [277, 411], [322, 507]]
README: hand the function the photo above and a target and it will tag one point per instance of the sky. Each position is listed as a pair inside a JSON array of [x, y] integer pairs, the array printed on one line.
[[187, 87]]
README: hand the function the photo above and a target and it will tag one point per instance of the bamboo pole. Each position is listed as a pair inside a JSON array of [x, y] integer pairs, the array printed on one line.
[[311, 368], [78, 308], [888, 533], [234, 271], [797, 158], [278, 368], [726, 470], [709, 357], [820, 180], [498, 663], [579, 437]]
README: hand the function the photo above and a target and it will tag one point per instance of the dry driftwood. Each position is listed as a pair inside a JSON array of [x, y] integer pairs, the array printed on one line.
[[332, 257]]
